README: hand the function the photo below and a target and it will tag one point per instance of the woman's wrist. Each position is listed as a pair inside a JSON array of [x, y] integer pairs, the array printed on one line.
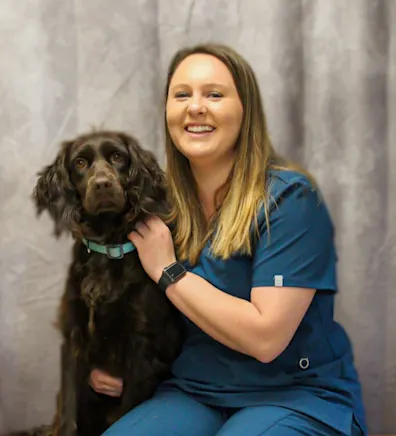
[[175, 288]]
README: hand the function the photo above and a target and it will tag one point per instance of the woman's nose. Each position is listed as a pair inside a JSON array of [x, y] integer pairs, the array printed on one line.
[[196, 107]]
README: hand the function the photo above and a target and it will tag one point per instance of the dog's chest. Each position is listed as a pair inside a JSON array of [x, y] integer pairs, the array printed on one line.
[[108, 291], [104, 280], [108, 333]]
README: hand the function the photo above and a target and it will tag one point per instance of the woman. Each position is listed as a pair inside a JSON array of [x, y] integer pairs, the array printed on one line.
[[256, 279]]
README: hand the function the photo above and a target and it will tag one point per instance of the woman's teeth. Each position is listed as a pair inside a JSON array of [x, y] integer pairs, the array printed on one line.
[[199, 129]]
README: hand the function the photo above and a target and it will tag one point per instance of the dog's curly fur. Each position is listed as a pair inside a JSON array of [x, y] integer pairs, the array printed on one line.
[[112, 315]]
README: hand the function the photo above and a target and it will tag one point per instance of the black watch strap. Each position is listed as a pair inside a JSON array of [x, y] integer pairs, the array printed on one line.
[[171, 274]]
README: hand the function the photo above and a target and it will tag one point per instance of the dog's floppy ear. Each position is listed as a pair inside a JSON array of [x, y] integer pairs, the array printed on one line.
[[55, 193], [146, 185]]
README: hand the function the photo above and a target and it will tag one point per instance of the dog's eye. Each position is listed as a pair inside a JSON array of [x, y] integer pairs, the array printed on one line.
[[117, 157], [80, 163]]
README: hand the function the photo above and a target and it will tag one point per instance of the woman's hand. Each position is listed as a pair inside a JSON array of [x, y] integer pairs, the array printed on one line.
[[103, 383], [153, 241]]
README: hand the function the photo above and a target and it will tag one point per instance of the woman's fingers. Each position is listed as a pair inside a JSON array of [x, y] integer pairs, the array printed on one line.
[[106, 379], [104, 383], [110, 392]]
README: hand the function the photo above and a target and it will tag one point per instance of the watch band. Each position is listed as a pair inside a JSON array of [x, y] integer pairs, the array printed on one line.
[[164, 282]]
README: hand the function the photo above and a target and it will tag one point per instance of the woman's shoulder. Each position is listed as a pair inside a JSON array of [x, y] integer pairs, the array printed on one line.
[[281, 183], [295, 197], [283, 179], [295, 206]]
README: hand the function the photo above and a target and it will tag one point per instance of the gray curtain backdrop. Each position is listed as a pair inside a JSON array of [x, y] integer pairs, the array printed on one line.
[[327, 71]]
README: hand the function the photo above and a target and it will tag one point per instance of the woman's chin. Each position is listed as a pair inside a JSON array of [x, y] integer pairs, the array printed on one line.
[[198, 149], [200, 156]]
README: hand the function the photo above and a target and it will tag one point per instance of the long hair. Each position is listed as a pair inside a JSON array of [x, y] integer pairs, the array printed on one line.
[[229, 231]]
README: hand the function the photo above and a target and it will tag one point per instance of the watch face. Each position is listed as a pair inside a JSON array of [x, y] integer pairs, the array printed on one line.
[[175, 270]]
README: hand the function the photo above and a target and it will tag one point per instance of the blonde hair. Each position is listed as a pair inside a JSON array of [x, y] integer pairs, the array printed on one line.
[[244, 191]]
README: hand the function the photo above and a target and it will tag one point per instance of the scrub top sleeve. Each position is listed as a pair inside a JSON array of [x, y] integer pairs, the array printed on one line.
[[299, 249]]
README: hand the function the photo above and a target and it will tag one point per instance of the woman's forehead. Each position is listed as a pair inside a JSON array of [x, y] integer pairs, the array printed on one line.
[[201, 69]]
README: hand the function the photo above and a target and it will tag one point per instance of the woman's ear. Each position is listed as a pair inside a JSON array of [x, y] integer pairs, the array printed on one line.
[[55, 193]]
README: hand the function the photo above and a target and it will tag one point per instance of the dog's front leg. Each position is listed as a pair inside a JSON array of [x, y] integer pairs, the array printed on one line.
[[129, 400], [65, 422], [140, 382]]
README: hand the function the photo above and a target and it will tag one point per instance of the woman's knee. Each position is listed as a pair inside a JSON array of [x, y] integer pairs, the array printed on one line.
[[272, 421]]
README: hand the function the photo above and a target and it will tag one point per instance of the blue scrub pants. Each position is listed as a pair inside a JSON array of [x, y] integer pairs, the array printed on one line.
[[173, 413]]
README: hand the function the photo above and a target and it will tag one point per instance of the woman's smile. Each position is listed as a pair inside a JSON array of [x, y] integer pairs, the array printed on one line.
[[199, 130]]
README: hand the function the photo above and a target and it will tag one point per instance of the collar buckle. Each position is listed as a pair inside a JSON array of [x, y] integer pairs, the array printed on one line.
[[114, 247]]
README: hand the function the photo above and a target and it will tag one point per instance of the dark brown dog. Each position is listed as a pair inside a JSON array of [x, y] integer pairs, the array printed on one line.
[[112, 316]]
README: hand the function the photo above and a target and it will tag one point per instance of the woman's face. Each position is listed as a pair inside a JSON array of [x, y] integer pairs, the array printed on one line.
[[203, 110]]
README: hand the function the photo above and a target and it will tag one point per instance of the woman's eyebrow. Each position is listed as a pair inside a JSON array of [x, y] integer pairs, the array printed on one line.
[[205, 85]]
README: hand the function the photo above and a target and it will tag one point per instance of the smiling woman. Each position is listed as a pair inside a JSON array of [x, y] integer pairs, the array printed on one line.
[[251, 265]]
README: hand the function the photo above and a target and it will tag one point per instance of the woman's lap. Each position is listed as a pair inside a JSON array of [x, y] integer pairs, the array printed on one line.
[[274, 421], [174, 413], [169, 413]]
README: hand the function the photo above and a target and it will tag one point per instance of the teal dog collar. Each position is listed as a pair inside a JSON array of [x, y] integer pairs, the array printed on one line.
[[112, 251]]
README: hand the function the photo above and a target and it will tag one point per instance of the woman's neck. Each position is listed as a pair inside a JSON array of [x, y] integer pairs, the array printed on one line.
[[209, 180]]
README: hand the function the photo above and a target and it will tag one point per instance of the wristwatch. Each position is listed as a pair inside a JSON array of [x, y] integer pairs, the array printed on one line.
[[171, 274]]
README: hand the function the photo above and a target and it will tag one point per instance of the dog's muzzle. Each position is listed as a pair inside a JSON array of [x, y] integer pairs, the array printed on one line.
[[104, 194]]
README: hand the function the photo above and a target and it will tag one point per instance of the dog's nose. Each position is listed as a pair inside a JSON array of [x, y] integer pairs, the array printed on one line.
[[102, 183]]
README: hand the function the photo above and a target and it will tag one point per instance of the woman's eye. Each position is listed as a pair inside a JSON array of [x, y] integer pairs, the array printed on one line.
[[215, 95], [181, 95], [80, 163], [117, 157]]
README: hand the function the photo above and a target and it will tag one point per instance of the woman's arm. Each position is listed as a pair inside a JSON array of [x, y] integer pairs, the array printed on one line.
[[261, 328]]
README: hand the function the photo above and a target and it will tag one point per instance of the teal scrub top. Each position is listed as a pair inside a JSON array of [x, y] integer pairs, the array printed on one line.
[[315, 375]]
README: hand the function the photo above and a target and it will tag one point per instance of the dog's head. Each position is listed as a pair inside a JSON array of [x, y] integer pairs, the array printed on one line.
[[98, 175]]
